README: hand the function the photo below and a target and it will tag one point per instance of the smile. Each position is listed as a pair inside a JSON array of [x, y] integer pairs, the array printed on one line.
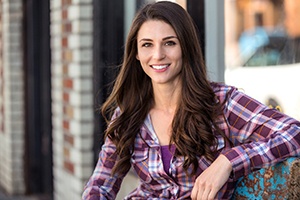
[[160, 67]]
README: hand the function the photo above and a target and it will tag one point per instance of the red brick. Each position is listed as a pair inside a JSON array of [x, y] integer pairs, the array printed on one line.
[[69, 166], [66, 153], [64, 42], [69, 111], [64, 14], [67, 55], [68, 83], [66, 97], [65, 69], [69, 139], [66, 27], [66, 125], [66, 2]]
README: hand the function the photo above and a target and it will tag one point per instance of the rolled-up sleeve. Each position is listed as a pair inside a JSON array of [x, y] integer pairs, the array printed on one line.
[[102, 184], [261, 136]]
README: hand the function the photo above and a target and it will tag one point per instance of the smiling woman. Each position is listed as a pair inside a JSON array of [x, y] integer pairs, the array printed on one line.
[[174, 127]]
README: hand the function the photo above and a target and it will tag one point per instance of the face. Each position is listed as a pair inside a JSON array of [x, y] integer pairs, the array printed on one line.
[[159, 52]]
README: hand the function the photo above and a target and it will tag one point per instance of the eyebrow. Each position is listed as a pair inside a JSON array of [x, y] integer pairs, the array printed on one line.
[[165, 38]]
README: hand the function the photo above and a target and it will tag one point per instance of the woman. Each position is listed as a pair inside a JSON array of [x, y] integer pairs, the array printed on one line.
[[185, 137]]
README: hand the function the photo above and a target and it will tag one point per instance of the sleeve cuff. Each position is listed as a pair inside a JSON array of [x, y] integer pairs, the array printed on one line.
[[240, 162]]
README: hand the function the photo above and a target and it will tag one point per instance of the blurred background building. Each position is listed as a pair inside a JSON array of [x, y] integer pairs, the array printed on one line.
[[56, 60]]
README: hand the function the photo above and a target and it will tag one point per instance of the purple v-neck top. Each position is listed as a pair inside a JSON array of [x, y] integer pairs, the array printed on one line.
[[167, 154]]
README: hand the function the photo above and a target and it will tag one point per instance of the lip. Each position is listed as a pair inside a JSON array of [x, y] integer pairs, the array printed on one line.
[[160, 67]]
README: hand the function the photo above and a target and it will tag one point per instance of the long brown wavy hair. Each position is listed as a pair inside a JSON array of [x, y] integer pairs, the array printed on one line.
[[198, 110]]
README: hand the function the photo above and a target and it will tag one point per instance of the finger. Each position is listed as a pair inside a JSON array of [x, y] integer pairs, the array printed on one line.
[[200, 194], [198, 189], [205, 194], [194, 193], [212, 195]]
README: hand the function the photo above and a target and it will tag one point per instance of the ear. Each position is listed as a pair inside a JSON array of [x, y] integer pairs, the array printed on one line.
[[137, 56]]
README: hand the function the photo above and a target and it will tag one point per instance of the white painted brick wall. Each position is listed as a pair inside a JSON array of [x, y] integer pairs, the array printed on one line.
[[81, 128], [80, 105], [83, 26], [81, 1], [12, 137], [80, 11], [82, 55], [83, 85], [79, 70], [80, 99]]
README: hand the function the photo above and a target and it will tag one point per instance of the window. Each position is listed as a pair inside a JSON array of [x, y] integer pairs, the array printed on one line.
[[262, 32], [262, 51]]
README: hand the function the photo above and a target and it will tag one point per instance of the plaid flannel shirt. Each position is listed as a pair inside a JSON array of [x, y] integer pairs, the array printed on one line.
[[261, 137]]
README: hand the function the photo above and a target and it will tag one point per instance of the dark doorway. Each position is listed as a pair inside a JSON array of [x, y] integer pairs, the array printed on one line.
[[38, 126], [108, 26], [196, 10]]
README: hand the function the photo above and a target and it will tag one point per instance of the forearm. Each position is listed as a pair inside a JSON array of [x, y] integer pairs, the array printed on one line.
[[103, 184], [246, 158], [261, 136]]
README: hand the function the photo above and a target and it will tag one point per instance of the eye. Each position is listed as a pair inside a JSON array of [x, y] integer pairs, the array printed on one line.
[[170, 43], [147, 44]]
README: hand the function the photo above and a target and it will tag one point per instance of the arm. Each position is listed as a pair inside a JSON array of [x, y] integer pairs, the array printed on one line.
[[102, 185], [261, 136]]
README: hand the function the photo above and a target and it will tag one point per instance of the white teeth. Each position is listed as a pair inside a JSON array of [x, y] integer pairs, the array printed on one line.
[[159, 66]]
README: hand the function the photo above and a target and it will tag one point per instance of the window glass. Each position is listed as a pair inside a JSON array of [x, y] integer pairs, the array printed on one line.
[[262, 51], [262, 32]]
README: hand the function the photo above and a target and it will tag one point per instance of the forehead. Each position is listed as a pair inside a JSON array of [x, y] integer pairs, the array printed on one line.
[[156, 28]]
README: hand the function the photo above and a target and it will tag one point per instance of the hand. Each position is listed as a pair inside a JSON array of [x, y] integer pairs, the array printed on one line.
[[211, 180]]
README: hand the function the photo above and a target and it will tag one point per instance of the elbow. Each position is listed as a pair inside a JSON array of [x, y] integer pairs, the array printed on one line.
[[95, 193]]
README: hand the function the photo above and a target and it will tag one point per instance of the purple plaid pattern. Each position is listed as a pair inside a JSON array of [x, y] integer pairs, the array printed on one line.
[[261, 137]]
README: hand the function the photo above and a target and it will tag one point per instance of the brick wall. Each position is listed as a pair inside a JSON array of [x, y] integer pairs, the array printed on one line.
[[11, 98], [72, 95]]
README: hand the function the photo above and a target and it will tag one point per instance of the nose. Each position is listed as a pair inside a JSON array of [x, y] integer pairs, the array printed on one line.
[[159, 53]]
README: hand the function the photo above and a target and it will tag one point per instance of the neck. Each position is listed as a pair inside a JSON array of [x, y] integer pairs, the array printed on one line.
[[166, 97]]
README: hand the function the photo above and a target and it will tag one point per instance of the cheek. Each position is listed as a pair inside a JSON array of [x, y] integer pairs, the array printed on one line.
[[177, 53], [138, 54], [178, 57], [143, 56], [142, 64]]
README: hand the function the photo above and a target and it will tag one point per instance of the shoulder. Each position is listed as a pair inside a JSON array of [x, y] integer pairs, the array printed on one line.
[[222, 91], [233, 96]]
